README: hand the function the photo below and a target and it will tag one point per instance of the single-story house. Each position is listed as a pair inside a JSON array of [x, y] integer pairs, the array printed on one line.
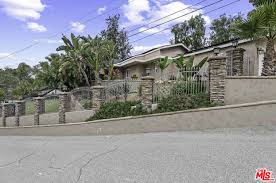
[[145, 63]]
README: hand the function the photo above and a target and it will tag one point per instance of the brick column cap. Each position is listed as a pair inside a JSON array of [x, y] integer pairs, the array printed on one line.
[[64, 93], [216, 58], [19, 101], [148, 78], [39, 98], [98, 87]]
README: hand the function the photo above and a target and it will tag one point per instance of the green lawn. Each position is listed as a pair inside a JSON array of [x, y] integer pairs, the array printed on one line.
[[50, 106]]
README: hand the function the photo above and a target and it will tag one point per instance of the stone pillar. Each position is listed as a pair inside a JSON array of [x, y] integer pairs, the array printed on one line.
[[39, 103], [147, 92], [0, 110], [19, 111], [5, 111], [238, 61], [64, 106], [98, 96], [217, 74]]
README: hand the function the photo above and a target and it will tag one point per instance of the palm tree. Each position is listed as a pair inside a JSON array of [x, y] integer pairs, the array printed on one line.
[[74, 53], [94, 48], [163, 63], [260, 2], [261, 24], [110, 54]]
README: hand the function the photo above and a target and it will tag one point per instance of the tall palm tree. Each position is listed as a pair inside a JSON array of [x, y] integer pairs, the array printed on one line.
[[94, 48], [110, 54], [163, 63], [74, 53], [261, 23]]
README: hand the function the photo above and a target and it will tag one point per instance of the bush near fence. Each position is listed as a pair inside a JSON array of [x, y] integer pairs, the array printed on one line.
[[117, 109]]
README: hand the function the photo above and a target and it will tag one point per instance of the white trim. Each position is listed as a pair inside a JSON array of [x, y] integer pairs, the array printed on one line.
[[212, 48], [128, 61]]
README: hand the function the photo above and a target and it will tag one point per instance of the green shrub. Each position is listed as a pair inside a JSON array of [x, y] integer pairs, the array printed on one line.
[[118, 109], [183, 102]]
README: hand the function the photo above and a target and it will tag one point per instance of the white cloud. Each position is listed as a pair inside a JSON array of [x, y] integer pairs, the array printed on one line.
[[35, 27], [134, 10], [101, 10], [23, 9], [77, 27], [139, 49], [151, 10]]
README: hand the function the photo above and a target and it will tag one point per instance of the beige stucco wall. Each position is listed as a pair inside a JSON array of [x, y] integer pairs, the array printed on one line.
[[138, 70], [249, 89], [246, 115]]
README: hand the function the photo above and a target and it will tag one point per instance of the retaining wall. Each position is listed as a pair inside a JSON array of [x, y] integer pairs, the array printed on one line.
[[245, 89], [243, 115], [50, 118]]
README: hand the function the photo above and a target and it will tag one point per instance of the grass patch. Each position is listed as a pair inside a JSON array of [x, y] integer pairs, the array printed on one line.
[[51, 106]]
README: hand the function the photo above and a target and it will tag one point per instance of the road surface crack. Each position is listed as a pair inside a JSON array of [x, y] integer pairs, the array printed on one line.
[[94, 158], [19, 160]]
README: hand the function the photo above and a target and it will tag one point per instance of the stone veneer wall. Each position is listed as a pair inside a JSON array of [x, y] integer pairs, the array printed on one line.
[[147, 92], [217, 74], [64, 106], [39, 108], [98, 96]]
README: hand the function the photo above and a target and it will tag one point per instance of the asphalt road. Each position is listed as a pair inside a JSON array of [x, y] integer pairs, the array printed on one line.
[[223, 155]]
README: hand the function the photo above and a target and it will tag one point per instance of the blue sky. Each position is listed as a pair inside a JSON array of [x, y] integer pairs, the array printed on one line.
[[23, 22]]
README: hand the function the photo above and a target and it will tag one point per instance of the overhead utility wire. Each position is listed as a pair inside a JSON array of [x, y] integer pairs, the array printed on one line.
[[233, 2], [66, 30], [175, 18], [166, 16]]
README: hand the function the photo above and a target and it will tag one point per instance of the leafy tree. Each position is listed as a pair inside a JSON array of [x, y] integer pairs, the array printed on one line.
[[261, 23], [2, 95], [260, 2], [119, 37], [222, 29], [74, 54], [163, 63], [95, 53], [191, 33], [23, 89], [23, 71]]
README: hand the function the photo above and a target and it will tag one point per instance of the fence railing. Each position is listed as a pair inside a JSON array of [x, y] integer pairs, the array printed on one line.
[[122, 90], [192, 81]]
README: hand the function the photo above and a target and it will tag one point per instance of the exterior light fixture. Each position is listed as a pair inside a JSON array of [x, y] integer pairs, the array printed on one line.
[[216, 51]]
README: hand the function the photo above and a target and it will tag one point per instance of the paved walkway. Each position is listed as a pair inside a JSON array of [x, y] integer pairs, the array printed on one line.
[[225, 155]]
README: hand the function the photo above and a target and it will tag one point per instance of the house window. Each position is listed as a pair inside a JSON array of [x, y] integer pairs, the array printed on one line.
[[155, 69], [127, 73]]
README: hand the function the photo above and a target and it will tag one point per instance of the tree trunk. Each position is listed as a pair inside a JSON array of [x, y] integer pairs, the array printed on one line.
[[269, 65], [85, 76]]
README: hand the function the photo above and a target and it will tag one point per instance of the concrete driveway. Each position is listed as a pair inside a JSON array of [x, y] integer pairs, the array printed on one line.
[[223, 155]]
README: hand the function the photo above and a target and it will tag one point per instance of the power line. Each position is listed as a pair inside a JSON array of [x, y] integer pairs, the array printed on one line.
[[167, 16], [66, 30], [233, 2], [175, 18]]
